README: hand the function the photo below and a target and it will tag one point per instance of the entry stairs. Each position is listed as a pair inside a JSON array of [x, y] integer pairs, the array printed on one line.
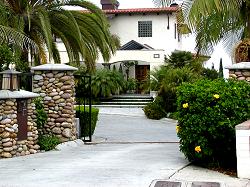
[[126, 101]]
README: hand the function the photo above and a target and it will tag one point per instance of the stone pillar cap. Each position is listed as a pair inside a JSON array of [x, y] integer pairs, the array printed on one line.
[[21, 94], [243, 126], [54, 67], [242, 65]]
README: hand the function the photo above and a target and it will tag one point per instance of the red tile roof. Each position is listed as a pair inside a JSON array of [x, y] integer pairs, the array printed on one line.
[[141, 10]]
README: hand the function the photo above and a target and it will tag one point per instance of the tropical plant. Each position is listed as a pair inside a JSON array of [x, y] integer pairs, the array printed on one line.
[[131, 84], [16, 39], [84, 33], [179, 59], [169, 84], [107, 82]]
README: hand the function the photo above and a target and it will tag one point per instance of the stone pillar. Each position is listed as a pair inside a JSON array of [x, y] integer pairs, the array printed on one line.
[[10, 146], [243, 149], [240, 71], [55, 84]]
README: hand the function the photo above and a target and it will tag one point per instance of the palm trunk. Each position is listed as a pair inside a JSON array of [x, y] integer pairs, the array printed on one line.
[[248, 18]]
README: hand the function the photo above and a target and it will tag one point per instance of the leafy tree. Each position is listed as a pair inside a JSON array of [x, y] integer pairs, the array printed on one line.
[[84, 34]]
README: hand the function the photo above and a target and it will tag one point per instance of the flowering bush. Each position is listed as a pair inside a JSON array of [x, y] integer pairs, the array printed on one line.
[[208, 112]]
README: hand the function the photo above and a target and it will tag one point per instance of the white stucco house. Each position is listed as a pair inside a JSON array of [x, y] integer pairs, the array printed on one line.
[[147, 36]]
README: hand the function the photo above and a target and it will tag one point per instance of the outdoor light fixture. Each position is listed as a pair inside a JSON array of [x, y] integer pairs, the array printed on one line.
[[9, 80]]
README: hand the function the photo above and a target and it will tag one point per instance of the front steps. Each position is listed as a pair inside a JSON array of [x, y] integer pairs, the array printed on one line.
[[126, 101]]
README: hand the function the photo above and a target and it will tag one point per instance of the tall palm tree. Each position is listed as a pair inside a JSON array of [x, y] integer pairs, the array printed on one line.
[[84, 33], [215, 20]]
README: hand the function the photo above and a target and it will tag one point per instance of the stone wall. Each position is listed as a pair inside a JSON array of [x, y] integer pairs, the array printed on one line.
[[10, 146], [57, 89], [243, 149], [240, 71], [240, 74]]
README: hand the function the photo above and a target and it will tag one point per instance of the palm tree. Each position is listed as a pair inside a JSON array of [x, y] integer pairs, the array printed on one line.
[[216, 20], [84, 33]]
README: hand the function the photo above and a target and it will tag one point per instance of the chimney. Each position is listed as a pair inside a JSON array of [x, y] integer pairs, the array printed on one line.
[[174, 4], [109, 4]]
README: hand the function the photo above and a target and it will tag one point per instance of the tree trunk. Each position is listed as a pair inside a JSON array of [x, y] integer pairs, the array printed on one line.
[[248, 18]]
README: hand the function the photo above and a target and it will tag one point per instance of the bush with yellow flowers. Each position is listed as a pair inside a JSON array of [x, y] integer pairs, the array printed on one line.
[[208, 112]]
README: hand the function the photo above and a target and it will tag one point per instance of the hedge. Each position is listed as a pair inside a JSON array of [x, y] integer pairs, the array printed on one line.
[[84, 119], [208, 112]]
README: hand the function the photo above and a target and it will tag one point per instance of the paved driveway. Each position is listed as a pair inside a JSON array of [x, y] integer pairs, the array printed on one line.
[[122, 128], [123, 161]]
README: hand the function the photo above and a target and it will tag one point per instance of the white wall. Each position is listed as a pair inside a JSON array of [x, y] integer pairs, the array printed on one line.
[[144, 57], [126, 27], [243, 149]]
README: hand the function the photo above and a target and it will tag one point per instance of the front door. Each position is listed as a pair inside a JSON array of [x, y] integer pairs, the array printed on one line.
[[141, 72], [22, 119]]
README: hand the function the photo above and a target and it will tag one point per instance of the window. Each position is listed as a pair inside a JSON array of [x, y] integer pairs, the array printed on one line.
[[145, 28], [156, 55]]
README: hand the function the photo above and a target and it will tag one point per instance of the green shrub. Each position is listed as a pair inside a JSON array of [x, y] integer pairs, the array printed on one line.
[[210, 73], [84, 119], [208, 112], [131, 84], [154, 110], [48, 142], [41, 115], [169, 84]]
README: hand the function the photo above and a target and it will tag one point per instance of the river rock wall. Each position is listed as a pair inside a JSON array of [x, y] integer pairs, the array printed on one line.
[[10, 146], [57, 90]]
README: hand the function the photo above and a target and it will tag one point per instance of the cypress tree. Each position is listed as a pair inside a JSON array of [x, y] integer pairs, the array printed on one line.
[[221, 75]]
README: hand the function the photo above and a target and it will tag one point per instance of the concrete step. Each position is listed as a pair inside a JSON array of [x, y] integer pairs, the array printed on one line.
[[122, 103], [119, 106], [126, 101], [132, 100], [129, 96]]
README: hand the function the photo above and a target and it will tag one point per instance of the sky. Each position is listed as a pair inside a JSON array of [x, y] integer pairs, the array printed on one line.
[[130, 3]]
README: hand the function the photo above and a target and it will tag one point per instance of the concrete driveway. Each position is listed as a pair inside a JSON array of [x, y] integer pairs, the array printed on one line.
[[134, 154]]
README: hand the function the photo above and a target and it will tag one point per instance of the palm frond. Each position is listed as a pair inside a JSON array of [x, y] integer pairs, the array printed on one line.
[[11, 36]]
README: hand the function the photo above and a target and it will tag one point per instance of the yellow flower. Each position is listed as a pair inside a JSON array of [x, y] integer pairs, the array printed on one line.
[[216, 96], [185, 105], [177, 128], [197, 149]]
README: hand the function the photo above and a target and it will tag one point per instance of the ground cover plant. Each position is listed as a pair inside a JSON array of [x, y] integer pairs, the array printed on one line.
[[48, 142], [208, 112]]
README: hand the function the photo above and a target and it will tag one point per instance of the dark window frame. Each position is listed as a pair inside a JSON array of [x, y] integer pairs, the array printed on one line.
[[145, 29]]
